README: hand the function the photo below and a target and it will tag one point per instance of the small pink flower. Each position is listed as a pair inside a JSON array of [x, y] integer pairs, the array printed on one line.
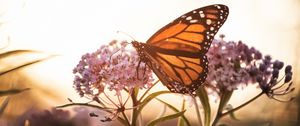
[[111, 67], [228, 64], [234, 64]]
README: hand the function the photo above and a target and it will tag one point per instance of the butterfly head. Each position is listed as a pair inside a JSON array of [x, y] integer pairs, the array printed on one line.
[[139, 47], [135, 44]]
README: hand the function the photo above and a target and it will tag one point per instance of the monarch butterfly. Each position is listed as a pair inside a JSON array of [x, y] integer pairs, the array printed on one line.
[[176, 53]]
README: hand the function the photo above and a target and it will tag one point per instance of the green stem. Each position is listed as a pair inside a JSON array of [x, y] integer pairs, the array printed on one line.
[[142, 97], [83, 104], [242, 105], [197, 112], [126, 119], [220, 114], [134, 111], [224, 98]]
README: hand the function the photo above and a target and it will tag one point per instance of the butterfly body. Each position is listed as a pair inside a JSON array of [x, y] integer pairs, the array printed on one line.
[[176, 53]]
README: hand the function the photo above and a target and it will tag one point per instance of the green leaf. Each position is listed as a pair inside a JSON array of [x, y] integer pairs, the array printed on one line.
[[229, 107], [149, 98], [3, 106], [146, 92], [225, 97], [180, 121], [13, 60], [145, 102], [169, 117], [203, 96], [12, 91], [175, 110]]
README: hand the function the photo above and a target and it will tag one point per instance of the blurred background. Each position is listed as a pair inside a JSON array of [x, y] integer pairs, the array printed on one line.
[[70, 28]]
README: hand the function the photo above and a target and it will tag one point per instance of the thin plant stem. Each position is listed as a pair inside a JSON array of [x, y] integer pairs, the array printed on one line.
[[85, 104], [224, 98], [242, 105], [125, 117], [142, 97], [110, 99], [140, 120], [220, 114], [134, 111], [197, 111]]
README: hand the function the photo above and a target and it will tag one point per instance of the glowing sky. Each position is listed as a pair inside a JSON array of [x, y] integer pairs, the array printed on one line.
[[74, 27]]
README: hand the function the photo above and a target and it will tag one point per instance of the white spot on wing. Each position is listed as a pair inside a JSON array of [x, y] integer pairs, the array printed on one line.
[[193, 21], [208, 22], [189, 18], [202, 15]]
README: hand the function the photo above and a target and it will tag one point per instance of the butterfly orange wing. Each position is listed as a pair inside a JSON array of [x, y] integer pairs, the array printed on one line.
[[176, 53]]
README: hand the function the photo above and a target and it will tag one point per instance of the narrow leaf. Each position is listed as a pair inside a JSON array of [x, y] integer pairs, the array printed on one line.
[[169, 117], [175, 110], [163, 112], [180, 121], [13, 60], [228, 108], [12, 91], [225, 97], [203, 96], [18, 52], [149, 98], [146, 92], [3, 106]]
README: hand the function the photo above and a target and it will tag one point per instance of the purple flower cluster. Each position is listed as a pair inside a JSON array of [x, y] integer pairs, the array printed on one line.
[[267, 76], [112, 67], [229, 64], [234, 64]]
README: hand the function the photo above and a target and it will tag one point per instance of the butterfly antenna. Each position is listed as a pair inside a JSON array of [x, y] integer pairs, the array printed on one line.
[[126, 34], [124, 44], [113, 54]]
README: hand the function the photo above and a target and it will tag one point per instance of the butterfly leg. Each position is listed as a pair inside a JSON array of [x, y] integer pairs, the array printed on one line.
[[137, 70], [144, 71]]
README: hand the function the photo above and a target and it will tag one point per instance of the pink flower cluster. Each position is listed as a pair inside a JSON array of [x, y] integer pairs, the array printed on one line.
[[229, 64], [112, 67], [234, 64]]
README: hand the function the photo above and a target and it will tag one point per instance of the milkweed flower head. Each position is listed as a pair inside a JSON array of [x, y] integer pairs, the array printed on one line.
[[234, 64], [267, 76], [113, 67], [229, 63]]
